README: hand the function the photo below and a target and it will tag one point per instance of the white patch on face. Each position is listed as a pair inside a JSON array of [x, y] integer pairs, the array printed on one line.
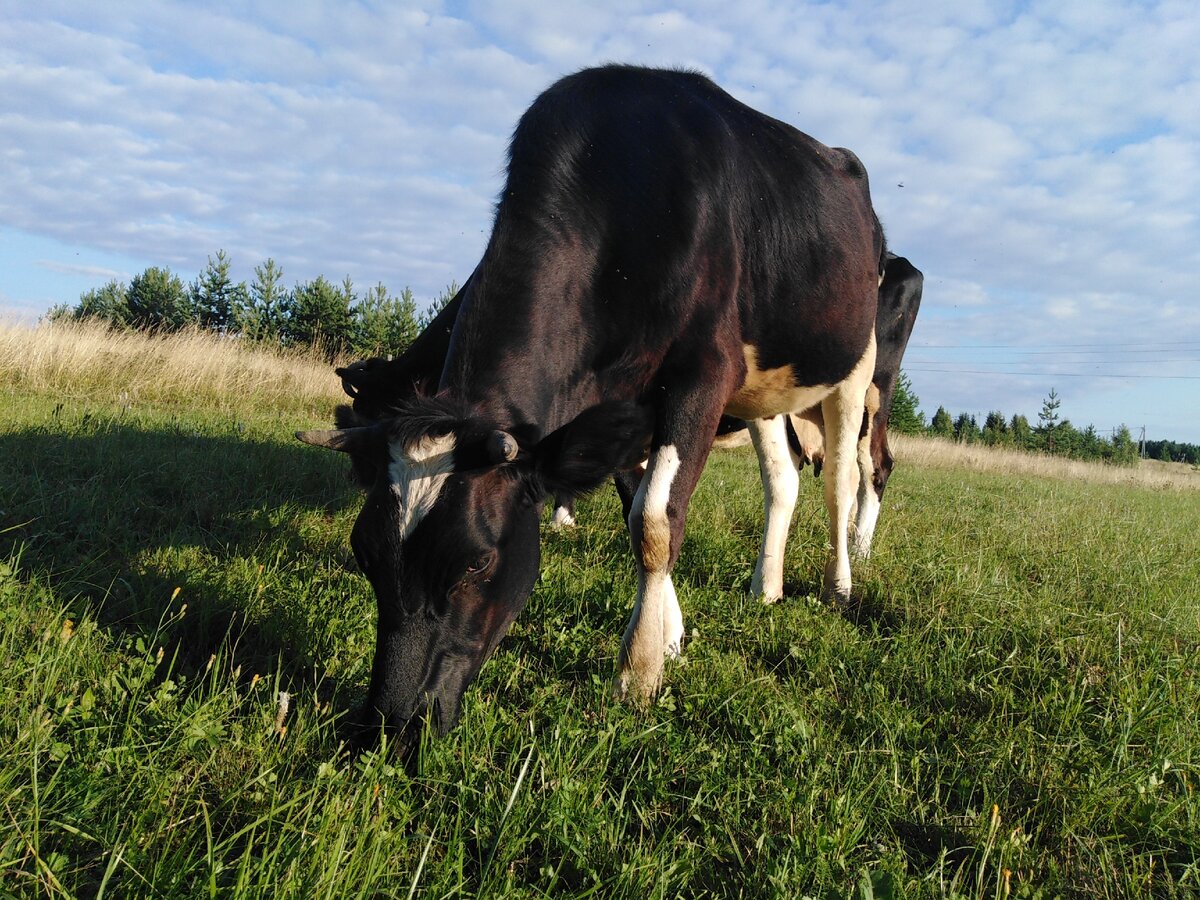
[[417, 474]]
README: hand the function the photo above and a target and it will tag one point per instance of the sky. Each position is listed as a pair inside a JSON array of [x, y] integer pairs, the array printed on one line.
[[1039, 162]]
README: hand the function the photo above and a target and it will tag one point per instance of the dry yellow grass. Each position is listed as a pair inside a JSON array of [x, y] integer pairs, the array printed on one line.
[[83, 359], [930, 452]]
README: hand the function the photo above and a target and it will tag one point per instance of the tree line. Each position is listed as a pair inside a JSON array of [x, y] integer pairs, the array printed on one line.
[[1052, 434], [336, 318], [340, 321]]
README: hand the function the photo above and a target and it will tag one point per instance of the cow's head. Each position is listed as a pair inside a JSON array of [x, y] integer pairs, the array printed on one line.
[[448, 536]]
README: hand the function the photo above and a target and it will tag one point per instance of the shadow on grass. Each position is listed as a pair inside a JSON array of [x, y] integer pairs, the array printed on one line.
[[115, 516], [870, 608], [925, 844]]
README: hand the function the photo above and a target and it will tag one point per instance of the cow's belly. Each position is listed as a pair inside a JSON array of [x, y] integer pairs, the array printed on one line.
[[770, 392]]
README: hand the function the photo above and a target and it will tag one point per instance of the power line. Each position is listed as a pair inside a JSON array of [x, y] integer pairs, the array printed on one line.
[[1054, 374], [1052, 347], [1005, 362], [1109, 352]]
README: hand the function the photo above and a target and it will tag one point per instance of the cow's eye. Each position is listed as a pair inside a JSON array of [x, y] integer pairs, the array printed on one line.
[[481, 563]]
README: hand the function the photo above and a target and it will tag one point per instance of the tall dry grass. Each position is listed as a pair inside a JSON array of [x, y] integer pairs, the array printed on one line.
[[79, 360], [85, 359], [931, 452]]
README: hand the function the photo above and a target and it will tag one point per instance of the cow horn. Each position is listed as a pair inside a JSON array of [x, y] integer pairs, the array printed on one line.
[[502, 447], [347, 440]]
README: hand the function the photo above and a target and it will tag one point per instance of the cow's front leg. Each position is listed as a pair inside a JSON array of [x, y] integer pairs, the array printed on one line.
[[781, 483], [655, 629]]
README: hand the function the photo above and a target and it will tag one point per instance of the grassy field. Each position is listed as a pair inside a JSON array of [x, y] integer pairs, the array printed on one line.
[[1009, 710]]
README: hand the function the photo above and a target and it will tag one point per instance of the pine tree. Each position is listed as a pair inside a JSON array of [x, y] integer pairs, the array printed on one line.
[[109, 303], [384, 325], [261, 317], [1048, 420], [1124, 448], [905, 415], [941, 424], [215, 298], [158, 301], [439, 303], [318, 314]]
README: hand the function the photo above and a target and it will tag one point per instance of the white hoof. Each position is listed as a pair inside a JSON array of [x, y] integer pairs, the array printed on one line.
[[562, 519]]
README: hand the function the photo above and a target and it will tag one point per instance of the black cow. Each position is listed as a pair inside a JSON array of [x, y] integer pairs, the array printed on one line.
[[801, 435], [379, 386], [661, 254]]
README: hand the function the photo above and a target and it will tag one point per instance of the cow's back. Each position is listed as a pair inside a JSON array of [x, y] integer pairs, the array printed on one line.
[[649, 217]]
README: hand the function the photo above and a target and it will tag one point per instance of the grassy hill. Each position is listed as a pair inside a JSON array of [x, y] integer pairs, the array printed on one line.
[[1009, 710]]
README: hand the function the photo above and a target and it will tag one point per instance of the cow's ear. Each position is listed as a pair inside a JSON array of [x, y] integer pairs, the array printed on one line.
[[599, 442], [359, 375]]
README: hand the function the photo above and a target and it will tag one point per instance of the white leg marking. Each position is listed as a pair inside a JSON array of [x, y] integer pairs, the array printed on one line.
[[843, 410], [781, 482], [562, 519], [864, 524], [672, 622], [656, 623], [868, 502]]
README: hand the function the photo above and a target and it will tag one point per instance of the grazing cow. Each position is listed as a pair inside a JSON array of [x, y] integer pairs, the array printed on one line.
[[661, 254], [899, 301], [783, 443], [379, 386]]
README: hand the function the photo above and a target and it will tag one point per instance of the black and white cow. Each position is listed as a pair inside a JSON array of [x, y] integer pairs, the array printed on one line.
[[661, 254], [379, 386], [804, 438]]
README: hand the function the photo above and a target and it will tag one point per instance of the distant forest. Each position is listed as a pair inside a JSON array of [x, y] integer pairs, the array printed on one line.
[[340, 321], [1052, 434], [335, 318]]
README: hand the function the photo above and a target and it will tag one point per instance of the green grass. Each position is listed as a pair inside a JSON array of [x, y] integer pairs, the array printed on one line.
[[1010, 710]]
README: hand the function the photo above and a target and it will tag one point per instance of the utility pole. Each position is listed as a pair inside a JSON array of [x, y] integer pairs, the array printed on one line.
[[1142, 444]]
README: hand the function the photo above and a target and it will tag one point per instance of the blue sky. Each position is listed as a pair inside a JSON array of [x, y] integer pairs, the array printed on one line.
[[1040, 162]]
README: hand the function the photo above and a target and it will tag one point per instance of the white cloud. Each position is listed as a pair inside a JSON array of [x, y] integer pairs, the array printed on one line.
[[99, 273], [1049, 153]]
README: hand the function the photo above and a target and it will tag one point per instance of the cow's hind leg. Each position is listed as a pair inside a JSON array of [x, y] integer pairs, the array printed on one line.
[[781, 482], [564, 514], [867, 513], [843, 413]]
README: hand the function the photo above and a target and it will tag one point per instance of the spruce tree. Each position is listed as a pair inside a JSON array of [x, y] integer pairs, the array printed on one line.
[[216, 300], [941, 425], [905, 415], [261, 317], [158, 301]]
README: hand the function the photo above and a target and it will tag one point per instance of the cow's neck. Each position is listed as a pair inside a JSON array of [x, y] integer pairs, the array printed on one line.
[[521, 352]]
